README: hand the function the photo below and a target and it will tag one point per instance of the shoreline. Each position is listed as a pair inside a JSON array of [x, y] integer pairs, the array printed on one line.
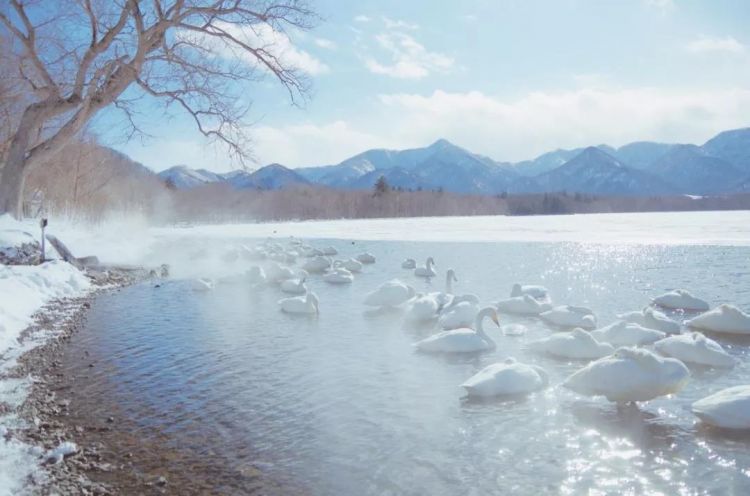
[[44, 410], [115, 455]]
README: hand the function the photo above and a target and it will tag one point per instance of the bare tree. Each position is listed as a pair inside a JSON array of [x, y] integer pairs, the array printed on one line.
[[76, 57]]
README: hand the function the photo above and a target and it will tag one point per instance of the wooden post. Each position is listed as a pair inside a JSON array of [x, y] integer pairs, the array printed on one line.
[[43, 225]]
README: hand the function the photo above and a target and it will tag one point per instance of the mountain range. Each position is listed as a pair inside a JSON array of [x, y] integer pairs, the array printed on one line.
[[719, 166]]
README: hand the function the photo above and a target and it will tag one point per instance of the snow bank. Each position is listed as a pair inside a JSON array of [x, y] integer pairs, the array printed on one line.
[[24, 289]]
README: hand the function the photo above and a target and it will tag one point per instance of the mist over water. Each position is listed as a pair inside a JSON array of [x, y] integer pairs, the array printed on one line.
[[341, 404]]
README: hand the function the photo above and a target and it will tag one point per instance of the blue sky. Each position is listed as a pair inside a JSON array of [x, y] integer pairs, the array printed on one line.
[[509, 79]]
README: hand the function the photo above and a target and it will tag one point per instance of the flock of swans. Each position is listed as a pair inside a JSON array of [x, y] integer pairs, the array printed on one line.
[[643, 355]]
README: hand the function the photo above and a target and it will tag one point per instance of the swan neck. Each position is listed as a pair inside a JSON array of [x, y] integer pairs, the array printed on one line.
[[448, 283]]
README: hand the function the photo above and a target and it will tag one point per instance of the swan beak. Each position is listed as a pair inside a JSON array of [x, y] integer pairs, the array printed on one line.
[[495, 320]]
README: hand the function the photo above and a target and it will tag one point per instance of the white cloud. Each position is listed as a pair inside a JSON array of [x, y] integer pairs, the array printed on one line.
[[312, 144], [662, 5], [408, 58], [707, 44], [274, 42], [324, 43], [362, 18], [542, 121], [504, 129], [399, 24]]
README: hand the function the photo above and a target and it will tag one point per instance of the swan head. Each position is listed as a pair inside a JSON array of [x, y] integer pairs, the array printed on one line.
[[430, 261], [313, 298], [451, 275], [490, 312]]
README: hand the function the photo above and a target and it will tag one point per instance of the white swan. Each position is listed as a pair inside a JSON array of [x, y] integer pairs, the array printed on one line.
[[462, 340], [680, 299], [427, 270], [653, 319], [366, 258], [255, 275], [570, 316], [409, 263], [505, 379], [294, 286], [523, 305], [330, 251], [307, 304], [317, 264], [728, 408], [696, 348], [538, 292], [276, 273], [338, 275], [423, 308], [202, 284], [459, 314], [390, 294], [352, 265], [576, 344], [630, 374], [724, 318], [627, 334]]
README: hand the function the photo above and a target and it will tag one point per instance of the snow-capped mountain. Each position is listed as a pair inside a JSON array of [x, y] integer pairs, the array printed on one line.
[[644, 168], [693, 171], [183, 177], [597, 172], [732, 146], [273, 176]]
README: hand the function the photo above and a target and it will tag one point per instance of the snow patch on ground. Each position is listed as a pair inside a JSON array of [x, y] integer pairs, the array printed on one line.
[[24, 289]]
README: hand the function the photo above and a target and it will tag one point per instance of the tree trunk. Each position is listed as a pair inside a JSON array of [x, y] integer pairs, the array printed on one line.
[[13, 174], [12, 180]]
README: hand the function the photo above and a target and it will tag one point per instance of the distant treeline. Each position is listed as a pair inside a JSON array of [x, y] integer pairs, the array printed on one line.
[[89, 182]]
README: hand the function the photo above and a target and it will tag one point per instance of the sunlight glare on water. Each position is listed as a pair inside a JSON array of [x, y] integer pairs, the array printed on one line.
[[341, 404]]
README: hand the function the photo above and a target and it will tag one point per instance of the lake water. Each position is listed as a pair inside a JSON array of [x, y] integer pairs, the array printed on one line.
[[341, 404]]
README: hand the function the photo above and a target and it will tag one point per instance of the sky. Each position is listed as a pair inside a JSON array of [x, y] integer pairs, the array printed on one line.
[[510, 79]]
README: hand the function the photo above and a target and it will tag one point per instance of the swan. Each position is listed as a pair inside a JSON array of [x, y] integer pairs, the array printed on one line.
[[506, 378], [725, 318], [202, 284], [462, 340], [330, 251], [424, 307], [353, 265], [294, 286], [576, 344], [727, 409], [680, 299], [444, 299], [317, 264], [695, 348], [570, 316], [366, 258], [338, 275], [627, 334], [523, 305], [538, 292], [460, 314], [427, 270], [390, 294], [307, 304], [653, 319], [409, 263], [277, 273], [630, 374], [255, 275]]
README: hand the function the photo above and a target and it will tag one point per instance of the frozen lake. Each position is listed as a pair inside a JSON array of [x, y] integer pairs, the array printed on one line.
[[341, 404]]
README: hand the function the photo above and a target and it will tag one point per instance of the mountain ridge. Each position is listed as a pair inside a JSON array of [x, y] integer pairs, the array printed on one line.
[[642, 168]]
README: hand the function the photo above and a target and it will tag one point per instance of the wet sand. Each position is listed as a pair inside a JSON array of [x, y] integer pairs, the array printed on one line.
[[116, 455]]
